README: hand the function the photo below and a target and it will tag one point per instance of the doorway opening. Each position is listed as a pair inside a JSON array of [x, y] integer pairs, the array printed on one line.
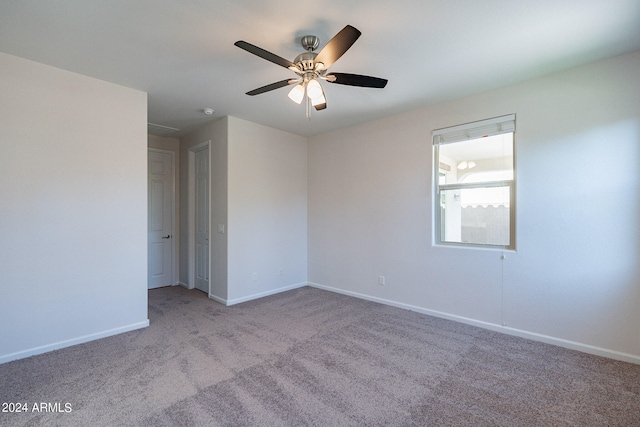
[[199, 216]]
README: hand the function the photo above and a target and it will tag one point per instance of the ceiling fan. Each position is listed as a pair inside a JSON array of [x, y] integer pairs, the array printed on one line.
[[311, 67]]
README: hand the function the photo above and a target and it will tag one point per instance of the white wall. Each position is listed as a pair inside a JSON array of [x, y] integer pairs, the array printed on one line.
[[164, 143], [267, 225], [73, 210], [575, 277]]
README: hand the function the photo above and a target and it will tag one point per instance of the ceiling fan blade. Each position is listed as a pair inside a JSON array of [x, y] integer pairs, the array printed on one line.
[[356, 80], [272, 86], [265, 54], [337, 46], [319, 107]]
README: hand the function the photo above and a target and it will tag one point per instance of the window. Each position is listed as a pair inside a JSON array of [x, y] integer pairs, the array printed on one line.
[[474, 184]]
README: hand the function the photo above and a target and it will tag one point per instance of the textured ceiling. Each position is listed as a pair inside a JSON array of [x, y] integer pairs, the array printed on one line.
[[181, 52]]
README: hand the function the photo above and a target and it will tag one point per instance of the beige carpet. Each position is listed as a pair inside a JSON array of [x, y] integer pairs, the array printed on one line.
[[313, 358]]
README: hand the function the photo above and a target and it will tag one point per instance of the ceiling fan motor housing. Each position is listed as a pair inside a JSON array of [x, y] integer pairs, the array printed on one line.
[[306, 61]]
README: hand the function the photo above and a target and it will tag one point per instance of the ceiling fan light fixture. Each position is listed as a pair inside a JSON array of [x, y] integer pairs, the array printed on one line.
[[314, 90], [297, 93], [319, 100]]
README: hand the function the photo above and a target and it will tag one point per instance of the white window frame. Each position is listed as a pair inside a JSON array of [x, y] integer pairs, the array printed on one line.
[[464, 132]]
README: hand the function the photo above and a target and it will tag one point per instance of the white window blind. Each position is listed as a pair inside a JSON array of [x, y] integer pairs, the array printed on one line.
[[489, 127]]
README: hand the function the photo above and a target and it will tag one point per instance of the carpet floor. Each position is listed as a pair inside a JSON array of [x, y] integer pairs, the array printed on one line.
[[308, 357]]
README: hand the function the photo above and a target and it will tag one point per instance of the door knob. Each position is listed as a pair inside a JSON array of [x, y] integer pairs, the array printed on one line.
[[168, 236]]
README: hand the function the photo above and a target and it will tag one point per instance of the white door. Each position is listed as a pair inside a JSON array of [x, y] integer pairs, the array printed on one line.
[[201, 264], [160, 222]]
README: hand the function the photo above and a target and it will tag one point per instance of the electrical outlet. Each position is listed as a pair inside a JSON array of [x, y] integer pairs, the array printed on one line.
[[381, 280], [255, 276]]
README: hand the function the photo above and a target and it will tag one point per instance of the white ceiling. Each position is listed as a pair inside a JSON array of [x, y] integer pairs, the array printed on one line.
[[181, 52]]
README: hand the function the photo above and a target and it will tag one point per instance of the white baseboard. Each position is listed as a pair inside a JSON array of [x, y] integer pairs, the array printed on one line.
[[585, 348], [68, 343], [234, 301]]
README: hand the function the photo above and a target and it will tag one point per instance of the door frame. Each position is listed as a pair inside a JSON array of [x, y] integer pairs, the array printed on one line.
[[192, 214], [174, 212]]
